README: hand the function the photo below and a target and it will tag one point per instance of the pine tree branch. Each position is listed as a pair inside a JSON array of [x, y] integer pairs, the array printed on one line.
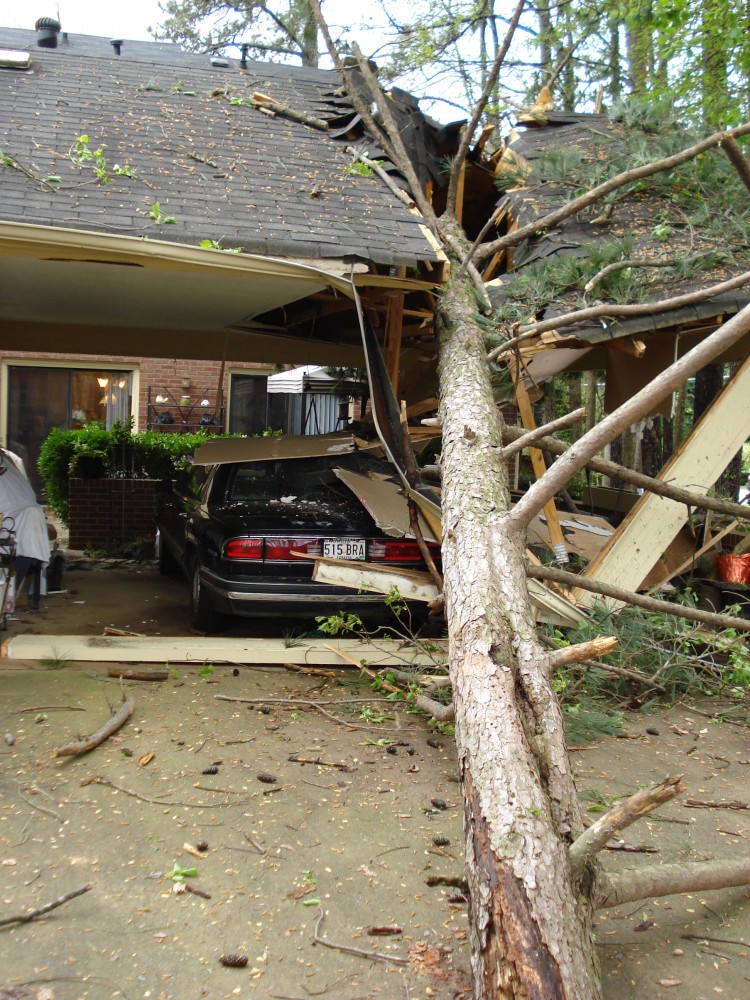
[[573, 580], [665, 880], [623, 814], [531, 437], [642, 403], [607, 187], [612, 469], [612, 309]]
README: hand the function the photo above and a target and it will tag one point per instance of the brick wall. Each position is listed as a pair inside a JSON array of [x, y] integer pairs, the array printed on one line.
[[104, 512]]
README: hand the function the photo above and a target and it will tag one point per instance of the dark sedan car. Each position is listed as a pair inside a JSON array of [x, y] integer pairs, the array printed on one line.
[[246, 526]]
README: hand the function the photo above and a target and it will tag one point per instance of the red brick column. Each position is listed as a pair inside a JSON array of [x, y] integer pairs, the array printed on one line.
[[107, 512]]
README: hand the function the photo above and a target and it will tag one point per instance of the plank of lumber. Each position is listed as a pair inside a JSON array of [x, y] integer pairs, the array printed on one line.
[[412, 585], [198, 650], [654, 521], [557, 538]]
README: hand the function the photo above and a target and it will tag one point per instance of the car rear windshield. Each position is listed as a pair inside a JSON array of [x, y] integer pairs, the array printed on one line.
[[298, 477]]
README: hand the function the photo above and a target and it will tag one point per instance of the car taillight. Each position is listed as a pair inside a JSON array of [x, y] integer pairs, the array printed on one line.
[[244, 548], [400, 550], [282, 548]]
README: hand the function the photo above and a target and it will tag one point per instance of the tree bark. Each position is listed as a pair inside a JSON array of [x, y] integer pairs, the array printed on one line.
[[531, 930]]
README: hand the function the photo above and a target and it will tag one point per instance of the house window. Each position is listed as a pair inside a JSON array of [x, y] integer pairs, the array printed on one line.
[[247, 404], [42, 398]]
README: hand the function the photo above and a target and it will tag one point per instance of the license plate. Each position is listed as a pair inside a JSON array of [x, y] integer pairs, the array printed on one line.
[[344, 548]]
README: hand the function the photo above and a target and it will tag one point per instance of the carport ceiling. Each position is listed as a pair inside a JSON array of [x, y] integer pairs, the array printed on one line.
[[74, 292]]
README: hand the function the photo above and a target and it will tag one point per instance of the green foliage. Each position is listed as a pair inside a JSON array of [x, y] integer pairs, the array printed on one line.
[[159, 217], [155, 456], [681, 655], [358, 169], [84, 156]]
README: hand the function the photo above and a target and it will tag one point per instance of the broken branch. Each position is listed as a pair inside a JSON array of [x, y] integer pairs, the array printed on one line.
[[402, 195], [438, 711], [114, 723], [628, 597], [531, 437], [40, 911], [263, 100], [737, 159], [665, 880], [582, 651], [623, 814]]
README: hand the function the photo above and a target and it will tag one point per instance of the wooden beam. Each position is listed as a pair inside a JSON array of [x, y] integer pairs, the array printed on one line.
[[215, 650], [654, 521], [460, 192], [393, 333], [557, 539], [412, 585]]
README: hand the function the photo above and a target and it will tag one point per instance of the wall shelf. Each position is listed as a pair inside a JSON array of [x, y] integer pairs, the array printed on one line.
[[177, 416]]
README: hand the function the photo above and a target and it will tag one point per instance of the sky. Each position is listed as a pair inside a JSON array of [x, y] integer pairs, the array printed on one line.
[[120, 19]]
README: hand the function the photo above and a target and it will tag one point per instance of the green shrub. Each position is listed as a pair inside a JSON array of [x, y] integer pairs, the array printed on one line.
[[154, 455]]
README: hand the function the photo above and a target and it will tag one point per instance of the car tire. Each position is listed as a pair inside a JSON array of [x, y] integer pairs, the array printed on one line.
[[203, 614], [168, 565]]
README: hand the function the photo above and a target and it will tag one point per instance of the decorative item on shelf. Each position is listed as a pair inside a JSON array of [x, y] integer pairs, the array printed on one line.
[[161, 399], [185, 401], [205, 402]]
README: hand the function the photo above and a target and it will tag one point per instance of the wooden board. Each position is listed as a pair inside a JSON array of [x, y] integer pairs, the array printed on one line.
[[412, 585], [654, 521], [215, 650]]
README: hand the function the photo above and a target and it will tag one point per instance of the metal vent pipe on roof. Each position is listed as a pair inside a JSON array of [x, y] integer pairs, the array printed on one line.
[[47, 29], [116, 44]]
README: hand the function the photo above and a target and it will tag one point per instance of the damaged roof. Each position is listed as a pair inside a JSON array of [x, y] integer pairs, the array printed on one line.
[[185, 156], [645, 221]]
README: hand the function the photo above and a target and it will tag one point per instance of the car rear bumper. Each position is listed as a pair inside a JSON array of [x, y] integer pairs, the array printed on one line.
[[283, 598]]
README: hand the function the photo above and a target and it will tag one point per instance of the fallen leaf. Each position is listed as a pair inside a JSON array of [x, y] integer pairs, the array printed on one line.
[[145, 759], [669, 982]]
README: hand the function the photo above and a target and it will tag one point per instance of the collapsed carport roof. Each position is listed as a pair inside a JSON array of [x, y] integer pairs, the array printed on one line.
[[78, 292]]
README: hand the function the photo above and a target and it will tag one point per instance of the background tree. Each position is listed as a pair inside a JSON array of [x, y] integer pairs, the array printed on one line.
[[285, 29]]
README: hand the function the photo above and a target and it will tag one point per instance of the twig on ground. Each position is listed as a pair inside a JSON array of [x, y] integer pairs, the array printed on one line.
[[309, 704], [296, 759], [48, 708], [705, 937], [197, 892], [42, 809], [349, 950], [40, 911], [258, 847], [160, 802], [111, 726], [699, 804]]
